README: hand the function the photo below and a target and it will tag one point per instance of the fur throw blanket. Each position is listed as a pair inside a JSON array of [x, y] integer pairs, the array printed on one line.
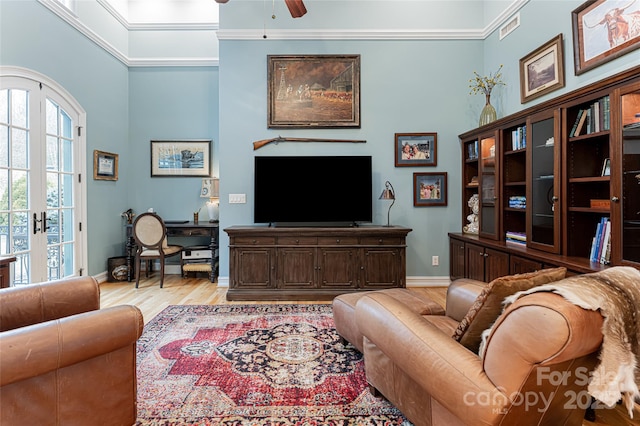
[[616, 293]]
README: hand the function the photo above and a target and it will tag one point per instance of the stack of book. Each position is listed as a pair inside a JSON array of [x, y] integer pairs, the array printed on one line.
[[518, 202], [601, 244], [519, 138], [514, 237], [593, 119], [472, 149]]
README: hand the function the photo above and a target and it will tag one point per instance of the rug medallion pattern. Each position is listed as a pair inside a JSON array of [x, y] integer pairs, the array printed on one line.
[[275, 365]]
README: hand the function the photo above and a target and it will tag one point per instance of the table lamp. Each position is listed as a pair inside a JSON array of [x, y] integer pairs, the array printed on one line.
[[211, 190], [388, 194]]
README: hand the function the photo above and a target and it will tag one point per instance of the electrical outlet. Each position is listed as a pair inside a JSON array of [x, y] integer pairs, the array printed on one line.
[[435, 260], [237, 198]]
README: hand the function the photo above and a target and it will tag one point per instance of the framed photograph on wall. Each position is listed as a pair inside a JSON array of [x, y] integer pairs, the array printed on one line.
[[187, 158], [604, 30], [415, 149], [542, 71], [105, 165], [429, 189], [313, 91]]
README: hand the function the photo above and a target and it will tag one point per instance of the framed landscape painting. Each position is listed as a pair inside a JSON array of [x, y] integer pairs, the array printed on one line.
[[313, 91], [186, 158], [604, 30], [542, 71]]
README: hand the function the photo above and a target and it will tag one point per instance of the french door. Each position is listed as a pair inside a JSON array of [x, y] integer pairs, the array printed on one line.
[[41, 190]]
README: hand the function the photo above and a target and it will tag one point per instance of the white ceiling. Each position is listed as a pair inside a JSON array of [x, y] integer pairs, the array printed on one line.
[[165, 11]]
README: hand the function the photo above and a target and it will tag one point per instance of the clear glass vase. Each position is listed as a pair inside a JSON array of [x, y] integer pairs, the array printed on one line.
[[488, 113]]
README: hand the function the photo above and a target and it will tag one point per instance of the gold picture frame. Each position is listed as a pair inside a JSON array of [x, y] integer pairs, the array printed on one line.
[[105, 165], [313, 91], [542, 71]]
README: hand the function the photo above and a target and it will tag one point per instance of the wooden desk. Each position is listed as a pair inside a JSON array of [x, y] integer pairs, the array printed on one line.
[[186, 229], [5, 276]]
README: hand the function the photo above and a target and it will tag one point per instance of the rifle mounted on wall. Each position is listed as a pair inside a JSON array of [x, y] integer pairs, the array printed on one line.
[[263, 142]]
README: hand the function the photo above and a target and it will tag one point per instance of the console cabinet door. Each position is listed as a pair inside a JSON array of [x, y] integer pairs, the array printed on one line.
[[380, 268], [456, 259], [474, 256], [254, 267], [496, 264], [296, 267], [337, 267], [521, 265]]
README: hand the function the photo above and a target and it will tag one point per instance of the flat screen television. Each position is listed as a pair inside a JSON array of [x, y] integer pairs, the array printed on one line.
[[313, 190]]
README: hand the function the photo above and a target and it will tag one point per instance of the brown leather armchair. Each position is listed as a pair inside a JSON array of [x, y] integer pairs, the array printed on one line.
[[534, 370], [64, 361]]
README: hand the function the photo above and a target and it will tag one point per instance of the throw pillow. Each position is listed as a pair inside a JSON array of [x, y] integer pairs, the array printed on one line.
[[488, 305]]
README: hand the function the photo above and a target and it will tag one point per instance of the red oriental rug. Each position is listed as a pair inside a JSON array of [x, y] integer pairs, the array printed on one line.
[[257, 365]]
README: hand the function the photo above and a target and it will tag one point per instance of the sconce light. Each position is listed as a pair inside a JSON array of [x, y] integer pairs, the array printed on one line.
[[211, 190], [388, 194]]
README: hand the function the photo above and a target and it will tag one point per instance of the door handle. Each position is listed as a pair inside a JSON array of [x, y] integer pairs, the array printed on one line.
[[43, 219], [36, 228]]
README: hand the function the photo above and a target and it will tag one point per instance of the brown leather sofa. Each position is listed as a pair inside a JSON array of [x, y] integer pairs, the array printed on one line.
[[534, 369], [63, 360]]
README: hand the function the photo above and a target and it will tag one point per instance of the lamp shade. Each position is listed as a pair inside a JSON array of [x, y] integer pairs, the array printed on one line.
[[210, 188]]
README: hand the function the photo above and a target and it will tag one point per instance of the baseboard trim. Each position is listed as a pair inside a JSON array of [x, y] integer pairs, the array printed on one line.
[[224, 281]]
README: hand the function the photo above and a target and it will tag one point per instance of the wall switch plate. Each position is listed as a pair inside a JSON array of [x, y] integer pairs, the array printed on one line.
[[237, 198], [435, 260]]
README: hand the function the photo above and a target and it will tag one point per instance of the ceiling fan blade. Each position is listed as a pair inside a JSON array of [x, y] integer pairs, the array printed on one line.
[[296, 7]]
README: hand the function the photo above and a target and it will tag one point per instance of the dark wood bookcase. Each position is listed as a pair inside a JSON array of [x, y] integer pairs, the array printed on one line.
[[561, 169]]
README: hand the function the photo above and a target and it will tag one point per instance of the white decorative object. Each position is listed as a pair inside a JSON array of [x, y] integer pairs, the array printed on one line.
[[211, 190], [472, 226]]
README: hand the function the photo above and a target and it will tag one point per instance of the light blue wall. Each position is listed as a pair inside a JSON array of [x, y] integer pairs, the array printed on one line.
[[406, 86], [170, 104], [100, 84]]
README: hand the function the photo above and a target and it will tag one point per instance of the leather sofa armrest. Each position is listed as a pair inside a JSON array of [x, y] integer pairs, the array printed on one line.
[[445, 369], [35, 303], [460, 297], [40, 348]]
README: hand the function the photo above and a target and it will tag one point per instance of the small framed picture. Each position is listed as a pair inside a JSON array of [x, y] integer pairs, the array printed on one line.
[[606, 167], [542, 71], [415, 149], [186, 158], [429, 189], [105, 165]]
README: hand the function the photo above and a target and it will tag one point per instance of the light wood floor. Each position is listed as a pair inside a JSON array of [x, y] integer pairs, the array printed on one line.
[[151, 299]]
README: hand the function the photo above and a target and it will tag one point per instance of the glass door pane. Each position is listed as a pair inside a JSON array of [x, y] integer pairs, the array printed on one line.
[[542, 200], [630, 234], [489, 188]]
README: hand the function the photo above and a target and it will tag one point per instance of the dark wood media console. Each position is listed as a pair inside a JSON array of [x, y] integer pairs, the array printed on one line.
[[278, 263]]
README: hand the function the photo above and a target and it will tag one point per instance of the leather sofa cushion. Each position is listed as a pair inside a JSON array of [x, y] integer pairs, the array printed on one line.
[[488, 306]]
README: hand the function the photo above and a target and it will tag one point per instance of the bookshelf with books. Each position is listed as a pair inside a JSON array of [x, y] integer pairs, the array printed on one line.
[[565, 168], [585, 153], [514, 180]]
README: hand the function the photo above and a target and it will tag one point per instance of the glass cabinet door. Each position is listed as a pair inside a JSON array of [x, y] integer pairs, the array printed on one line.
[[543, 191], [629, 195], [489, 188]]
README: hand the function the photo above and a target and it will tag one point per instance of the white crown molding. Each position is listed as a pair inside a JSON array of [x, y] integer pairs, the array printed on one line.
[[252, 34], [173, 62]]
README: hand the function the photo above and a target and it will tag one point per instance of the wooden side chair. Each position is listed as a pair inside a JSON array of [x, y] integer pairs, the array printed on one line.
[[150, 235]]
